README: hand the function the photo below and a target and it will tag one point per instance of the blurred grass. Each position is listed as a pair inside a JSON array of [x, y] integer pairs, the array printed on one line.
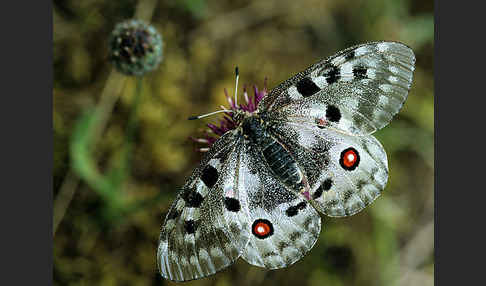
[[390, 243]]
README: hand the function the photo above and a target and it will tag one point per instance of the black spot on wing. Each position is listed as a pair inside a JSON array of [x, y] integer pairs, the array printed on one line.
[[325, 186], [333, 114], [317, 193], [359, 72], [189, 226], [209, 176], [350, 55], [232, 204], [332, 75], [294, 210], [307, 87], [173, 214], [291, 211], [192, 198]]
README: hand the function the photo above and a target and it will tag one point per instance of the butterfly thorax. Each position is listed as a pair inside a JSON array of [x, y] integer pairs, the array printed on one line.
[[256, 130]]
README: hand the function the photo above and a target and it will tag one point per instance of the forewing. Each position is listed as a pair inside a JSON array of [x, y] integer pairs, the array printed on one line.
[[294, 225], [206, 228], [338, 186], [357, 91]]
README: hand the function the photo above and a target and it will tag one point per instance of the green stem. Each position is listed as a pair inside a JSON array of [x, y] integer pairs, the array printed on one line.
[[132, 126]]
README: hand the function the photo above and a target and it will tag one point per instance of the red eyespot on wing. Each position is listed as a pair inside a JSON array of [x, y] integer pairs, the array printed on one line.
[[262, 228], [349, 159]]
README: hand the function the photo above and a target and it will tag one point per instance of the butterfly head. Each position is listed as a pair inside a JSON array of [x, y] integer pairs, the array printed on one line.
[[239, 116], [233, 117], [251, 127]]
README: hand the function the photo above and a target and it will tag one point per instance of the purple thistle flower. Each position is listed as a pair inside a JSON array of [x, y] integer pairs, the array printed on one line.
[[228, 122]]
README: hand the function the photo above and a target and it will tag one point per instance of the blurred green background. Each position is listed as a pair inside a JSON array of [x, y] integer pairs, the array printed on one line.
[[108, 213]]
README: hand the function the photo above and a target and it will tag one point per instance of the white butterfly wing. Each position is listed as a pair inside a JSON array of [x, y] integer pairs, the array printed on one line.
[[233, 205], [283, 226], [345, 173], [206, 228], [357, 91]]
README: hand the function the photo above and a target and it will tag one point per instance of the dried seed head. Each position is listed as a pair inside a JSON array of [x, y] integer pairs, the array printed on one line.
[[135, 47]]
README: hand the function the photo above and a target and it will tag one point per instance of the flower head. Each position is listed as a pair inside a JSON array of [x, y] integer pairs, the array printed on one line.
[[229, 122], [135, 47]]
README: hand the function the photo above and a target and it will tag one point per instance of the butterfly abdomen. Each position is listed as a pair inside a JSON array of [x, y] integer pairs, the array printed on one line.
[[282, 164], [277, 157]]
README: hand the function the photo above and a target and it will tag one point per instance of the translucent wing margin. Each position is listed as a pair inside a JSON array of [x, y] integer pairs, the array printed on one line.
[[357, 91], [206, 228]]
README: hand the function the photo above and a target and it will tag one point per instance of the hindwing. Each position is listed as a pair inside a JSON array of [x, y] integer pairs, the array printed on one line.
[[345, 172], [283, 226]]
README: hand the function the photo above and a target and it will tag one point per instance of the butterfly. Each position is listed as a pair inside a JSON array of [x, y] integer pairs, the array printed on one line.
[[305, 149]]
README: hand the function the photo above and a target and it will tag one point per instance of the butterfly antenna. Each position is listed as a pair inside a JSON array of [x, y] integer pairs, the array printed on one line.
[[237, 73], [209, 114]]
